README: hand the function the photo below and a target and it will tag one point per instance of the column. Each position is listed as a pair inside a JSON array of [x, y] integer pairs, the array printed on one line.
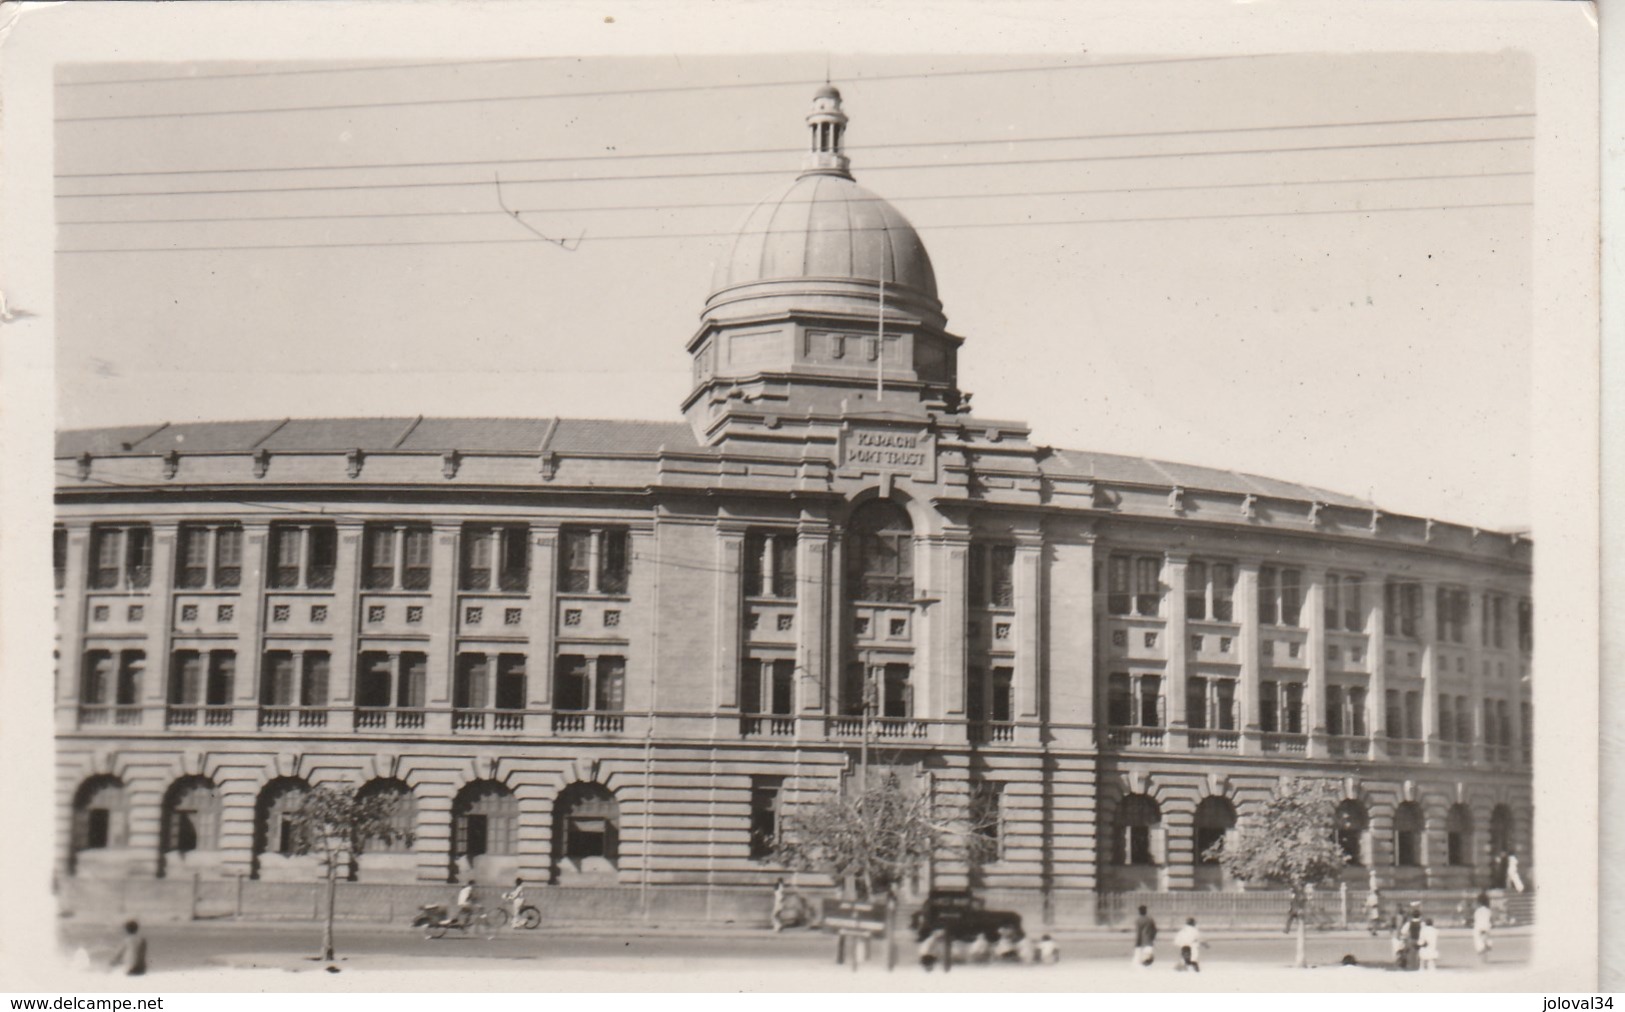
[[250, 615], [343, 612], [1428, 634], [1177, 636], [542, 614], [1314, 697], [952, 559], [159, 619], [70, 626], [730, 618], [1070, 641], [441, 619], [595, 553], [643, 648], [1475, 672], [1248, 647], [812, 615], [398, 534], [1029, 616], [1377, 699]]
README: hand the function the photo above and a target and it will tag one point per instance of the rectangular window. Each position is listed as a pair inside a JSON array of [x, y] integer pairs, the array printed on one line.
[[277, 686], [106, 557], [222, 678], [313, 683], [1464, 720], [1503, 720], [770, 565], [1357, 712], [1292, 707], [1147, 586], [782, 688], [185, 678], [1413, 715], [287, 543], [138, 557], [1497, 632], [510, 686], [1490, 736], [416, 550], [1119, 700], [1224, 589], [323, 555], [1150, 701], [1447, 724], [1117, 595], [1269, 609], [132, 665], [96, 678], [479, 557], [575, 562], [1225, 704], [472, 688], [765, 796], [572, 689], [1003, 694], [611, 684], [1269, 706], [1196, 694], [1402, 604], [374, 680], [412, 682], [1196, 591], [378, 565], [1450, 620], [1291, 596], [228, 556], [1001, 576], [192, 555], [1353, 604], [1333, 595], [59, 557], [1334, 710], [495, 558], [897, 697], [614, 562], [314, 548], [1526, 625]]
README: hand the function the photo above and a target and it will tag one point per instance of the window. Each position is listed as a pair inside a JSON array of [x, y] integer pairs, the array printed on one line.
[[1408, 835], [471, 690], [1526, 625], [305, 555], [1490, 727], [313, 678], [1137, 816], [880, 554], [510, 684], [1450, 614], [986, 816], [586, 683], [1351, 826], [1209, 589], [1464, 720], [100, 815], [1459, 835], [96, 678], [1292, 707], [385, 680], [897, 693], [190, 817], [1135, 585], [484, 819], [1335, 709], [402, 816], [1345, 607], [103, 684], [587, 827], [1413, 716], [1120, 700], [278, 685], [1147, 586], [59, 557], [1280, 596], [611, 684], [1215, 817], [222, 678], [1402, 608], [1149, 700], [121, 558], [770, 565], [276, 829], [992, 576], [1447, 723], [495, 558], [396, 557], [1357, 711], [594, 561], [766, 794], [1503, 721], [1394, 714], [1493, 634], [1269, 706], [209, 556], [768, 686]]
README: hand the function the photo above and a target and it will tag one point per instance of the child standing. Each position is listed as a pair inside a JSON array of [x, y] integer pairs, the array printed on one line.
[[1428, 945]]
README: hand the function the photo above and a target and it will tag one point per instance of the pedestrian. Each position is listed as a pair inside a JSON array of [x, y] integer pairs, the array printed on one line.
[[1294, 913], [936, 949], [779, 896], [516, 897], [1483, 918], [1428, 945], [1026, 950], [1373, 910], [1005, 949], [1048, 951], [465, 902], [1413, 937], [1514, 880], [131, 957], [981, 949], [1189, 943], [1145, 938]]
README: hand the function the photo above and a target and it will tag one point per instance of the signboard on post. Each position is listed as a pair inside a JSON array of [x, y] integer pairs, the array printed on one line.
[[855, 916]]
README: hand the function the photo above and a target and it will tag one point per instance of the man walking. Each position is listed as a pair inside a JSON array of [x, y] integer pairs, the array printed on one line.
[[1483, 918], [1145, 937], [131, 958], [1189, 943]]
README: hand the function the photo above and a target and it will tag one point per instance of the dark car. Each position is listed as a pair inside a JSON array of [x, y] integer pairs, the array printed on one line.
[[962, 914]]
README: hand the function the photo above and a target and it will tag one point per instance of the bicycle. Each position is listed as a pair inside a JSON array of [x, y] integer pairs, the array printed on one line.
[[436, 923]]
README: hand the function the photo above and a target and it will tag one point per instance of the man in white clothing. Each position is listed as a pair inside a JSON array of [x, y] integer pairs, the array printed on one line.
[[1189, 943]]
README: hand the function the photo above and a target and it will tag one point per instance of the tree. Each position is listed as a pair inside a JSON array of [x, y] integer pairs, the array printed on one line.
[[1291, 841], [873, 838], [337, 823]]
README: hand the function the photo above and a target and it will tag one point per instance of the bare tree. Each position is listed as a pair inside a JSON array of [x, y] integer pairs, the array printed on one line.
[[337, 823], [1291, 841]]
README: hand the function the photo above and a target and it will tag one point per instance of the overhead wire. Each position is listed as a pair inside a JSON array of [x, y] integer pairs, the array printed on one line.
[[299, 71]]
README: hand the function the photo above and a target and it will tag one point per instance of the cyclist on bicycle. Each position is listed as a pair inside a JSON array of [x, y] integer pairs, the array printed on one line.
[[465, 903], [516, 896]]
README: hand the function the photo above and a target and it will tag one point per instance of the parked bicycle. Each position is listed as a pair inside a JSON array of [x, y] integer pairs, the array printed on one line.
[[436, 922]]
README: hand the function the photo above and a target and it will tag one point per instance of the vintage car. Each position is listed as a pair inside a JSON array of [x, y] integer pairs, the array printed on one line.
[[962, 914]]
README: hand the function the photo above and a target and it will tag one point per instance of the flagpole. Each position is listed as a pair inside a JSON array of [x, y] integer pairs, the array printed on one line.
[[880, 337]]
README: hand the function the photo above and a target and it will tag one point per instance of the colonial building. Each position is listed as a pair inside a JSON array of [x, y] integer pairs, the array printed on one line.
[[614, 652]]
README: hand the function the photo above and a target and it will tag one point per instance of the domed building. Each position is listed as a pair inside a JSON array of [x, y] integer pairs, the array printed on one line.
[[611, 655]]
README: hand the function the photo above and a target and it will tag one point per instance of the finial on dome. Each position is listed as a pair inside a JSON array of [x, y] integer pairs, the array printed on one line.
[[826, 124]]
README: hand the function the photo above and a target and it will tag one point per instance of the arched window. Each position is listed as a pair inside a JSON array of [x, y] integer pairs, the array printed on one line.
[[1351, 826], [484, 820], [191, 816], [1137, 816], [403, 816], [276, 826], [1408, 835], [100, 815], [1215, 816], [1500, 842], [586, 827], [880, 553], [1459, 835]]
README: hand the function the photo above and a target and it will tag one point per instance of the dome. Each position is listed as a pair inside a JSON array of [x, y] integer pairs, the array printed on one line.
[[825, 226]]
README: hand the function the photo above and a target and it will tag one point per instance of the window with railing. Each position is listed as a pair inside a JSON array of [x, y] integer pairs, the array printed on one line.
[[1210, 590], [1404, 712], [489, 682], [880, 554], [1134, 585], [305, 556], [1210, 703], [897, 692], [1345, 604], [396, 557], [388, 682], [595, 561], [990, 702], [110, 686], [1450, 614], [121, 558], [59, 557], [992, 576], [495, 557], [589, 684], [1402, 608], [1280, 707], [201, 684], [767, 686], [1280, 596], [209, 556], [770, 564], [1134, 700]]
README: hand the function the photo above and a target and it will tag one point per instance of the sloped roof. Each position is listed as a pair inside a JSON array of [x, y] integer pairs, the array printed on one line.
[[1111, 467]]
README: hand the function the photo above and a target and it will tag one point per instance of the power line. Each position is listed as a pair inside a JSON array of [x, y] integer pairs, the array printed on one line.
[[752, 203], [799, 82], [367, 68], [622, 156], [707, 235], [721, 173]]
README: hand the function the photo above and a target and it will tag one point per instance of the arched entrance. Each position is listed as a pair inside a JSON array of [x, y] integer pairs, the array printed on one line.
[[1215, 817], [586, 833], [484, 831], [190, 824], [1352, 822], [389, 859], [278, 839], [101, 821]]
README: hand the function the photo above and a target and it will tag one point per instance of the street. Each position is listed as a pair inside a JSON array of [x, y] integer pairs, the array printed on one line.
[[176, 947]]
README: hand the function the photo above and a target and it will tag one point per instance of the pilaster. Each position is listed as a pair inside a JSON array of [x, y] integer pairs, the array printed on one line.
[[812, 616], [544, 539], [1314, 697], [344, 612], [1246, 610], [1175, 568]]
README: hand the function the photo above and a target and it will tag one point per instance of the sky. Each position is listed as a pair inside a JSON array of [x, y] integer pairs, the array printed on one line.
[[1315, 267]]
